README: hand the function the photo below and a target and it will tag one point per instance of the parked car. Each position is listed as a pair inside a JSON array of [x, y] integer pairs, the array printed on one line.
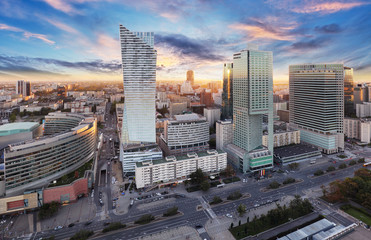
[[228, 215], [71, 225]]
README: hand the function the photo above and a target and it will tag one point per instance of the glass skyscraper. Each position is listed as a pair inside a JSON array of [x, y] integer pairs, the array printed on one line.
[[348, 91], [252, 98], [317, 104], [227, 95], [139, 72]]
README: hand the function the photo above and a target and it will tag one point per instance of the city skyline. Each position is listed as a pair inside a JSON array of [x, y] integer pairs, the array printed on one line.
[[77, 39]]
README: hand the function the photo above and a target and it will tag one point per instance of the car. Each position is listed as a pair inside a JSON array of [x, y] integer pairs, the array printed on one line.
[[228, 215], [198, 226], [71, 225], [158, 194], [100, 194], [256, 205], [58, 227], [88, 223]]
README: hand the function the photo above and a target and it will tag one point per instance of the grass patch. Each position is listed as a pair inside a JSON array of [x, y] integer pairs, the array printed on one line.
[[357, 213], [82, 235], [273, 218], [342, 156], [145, 219], [231, 180], [72, 176], [113, 226]]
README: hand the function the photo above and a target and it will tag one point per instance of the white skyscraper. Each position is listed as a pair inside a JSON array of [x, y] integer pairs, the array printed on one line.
[[139, 72], [138, 139]]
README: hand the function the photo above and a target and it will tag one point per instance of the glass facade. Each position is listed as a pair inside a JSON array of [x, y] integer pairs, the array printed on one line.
[[227, 95], [348, 91]]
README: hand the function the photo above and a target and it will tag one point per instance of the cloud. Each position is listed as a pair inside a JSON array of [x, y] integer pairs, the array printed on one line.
[[271, 27], [309, 45], [187, 47], [61, 25], [316, 6], [62, 5], [330, 28], [26, 33], [15, 63], [327, 7]]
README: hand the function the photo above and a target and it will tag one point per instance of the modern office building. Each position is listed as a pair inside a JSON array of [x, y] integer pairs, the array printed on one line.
[[191, 77], [173, 169], [252, 98], [317, 105], [349, 106], [212, 115], [224, 133], [139, 73], [227, 95], [206, 97], [185, 133], [61, 122], [37, 162], [23, 87], [138, 135]]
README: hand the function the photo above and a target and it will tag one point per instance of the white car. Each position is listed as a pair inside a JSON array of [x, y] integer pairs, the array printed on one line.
[[229, 215]]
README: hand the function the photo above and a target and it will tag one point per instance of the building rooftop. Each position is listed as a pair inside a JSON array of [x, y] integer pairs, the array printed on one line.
[[188, 117], [179, 158], [292, 150], [18, 127]]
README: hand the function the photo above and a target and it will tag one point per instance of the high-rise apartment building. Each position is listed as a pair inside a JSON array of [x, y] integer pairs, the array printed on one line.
[[139, 73], [349, 106], [317, 104], [191, 77], [23, 87], [252, 98], [227, 95]]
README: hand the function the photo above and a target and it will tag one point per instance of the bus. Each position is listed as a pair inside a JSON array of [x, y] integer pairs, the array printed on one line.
[[367, 164]]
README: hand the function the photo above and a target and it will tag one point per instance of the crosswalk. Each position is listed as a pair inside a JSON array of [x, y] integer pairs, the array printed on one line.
[[201, 230]]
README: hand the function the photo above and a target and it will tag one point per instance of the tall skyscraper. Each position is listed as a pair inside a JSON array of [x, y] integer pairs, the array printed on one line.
[[227, 95], [139, 72], [23, 87], [348, 92], [191, 77], [252, 98], [138, 138], [317, 104]]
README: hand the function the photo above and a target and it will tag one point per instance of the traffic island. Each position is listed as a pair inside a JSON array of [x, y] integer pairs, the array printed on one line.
[[285, 183]]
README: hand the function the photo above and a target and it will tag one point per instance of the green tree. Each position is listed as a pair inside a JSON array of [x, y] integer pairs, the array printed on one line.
[[216, 200], [353, 162], [82, 235], [330, 169], [342, 166], [294, 166], [319, 172], [197, 177], [274, 185], [205, 185], [12, 117], [241, 209]]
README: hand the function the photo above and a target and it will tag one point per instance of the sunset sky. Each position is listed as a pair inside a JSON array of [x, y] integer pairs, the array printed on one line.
[[58, 40]]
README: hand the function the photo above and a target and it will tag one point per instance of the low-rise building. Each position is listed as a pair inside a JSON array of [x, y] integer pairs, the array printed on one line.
[[212, 115], [185, 133], [358, 129], [294, 153], [363, 109], [172, 169], [224, 133], [281, 139]]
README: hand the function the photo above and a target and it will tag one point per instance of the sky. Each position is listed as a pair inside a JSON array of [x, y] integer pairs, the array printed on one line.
[[78, 40]]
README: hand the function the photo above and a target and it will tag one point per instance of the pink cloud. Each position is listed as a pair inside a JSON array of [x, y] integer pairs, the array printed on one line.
[[62, 5], [61, 26], [327, 7], [26, 33], [258, 32]]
